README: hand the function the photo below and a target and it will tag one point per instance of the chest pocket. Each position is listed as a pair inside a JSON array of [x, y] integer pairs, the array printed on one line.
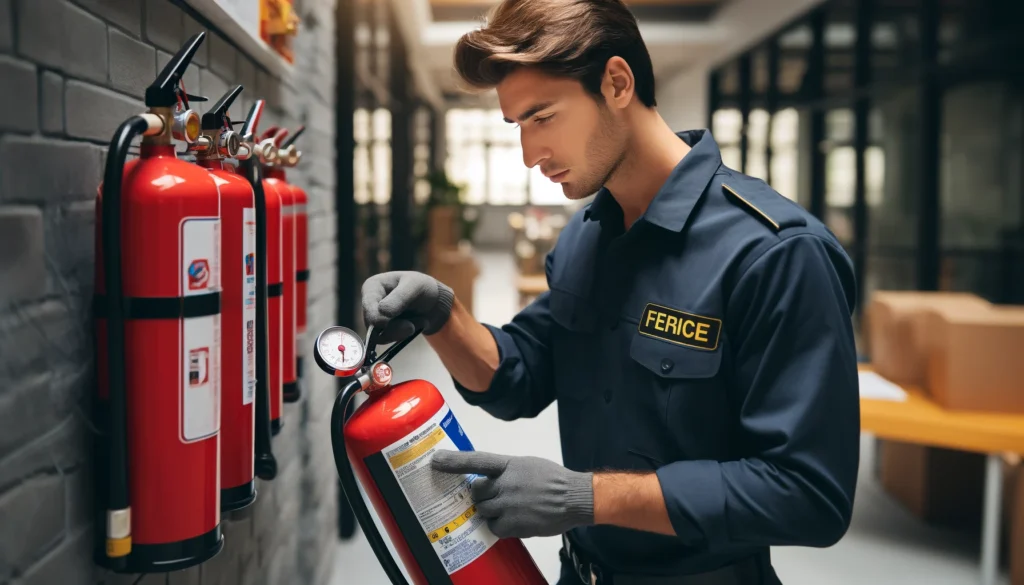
[[691, 396]]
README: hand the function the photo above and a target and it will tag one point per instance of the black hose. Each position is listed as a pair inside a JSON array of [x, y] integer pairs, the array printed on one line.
[[351, 488], [117, 487], [265, 463]]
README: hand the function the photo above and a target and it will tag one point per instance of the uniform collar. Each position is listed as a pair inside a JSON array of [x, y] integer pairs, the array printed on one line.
[[671, 207]]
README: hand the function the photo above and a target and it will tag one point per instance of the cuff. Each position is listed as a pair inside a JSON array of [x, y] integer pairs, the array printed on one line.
[[579, 498], [694, 494]]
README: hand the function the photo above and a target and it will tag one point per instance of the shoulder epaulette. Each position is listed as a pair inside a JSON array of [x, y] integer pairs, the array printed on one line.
[[768, 206]]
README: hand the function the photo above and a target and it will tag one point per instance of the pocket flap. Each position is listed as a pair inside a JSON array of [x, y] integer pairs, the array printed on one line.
[[572, 312], [668, 360]]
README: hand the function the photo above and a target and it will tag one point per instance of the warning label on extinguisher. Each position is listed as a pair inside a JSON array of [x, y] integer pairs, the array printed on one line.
[[442, 501], [249, 305], [200, 351]]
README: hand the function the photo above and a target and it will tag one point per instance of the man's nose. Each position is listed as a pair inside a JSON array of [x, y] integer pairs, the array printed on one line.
[[533, 153]]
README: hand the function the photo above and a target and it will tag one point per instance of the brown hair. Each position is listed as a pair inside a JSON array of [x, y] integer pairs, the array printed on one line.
[[564, 38]]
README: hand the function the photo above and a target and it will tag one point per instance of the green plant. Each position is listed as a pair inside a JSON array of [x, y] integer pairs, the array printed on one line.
[[443, 191]]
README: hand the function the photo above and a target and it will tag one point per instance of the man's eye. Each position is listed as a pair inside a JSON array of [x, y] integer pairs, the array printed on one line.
[[544, 119]]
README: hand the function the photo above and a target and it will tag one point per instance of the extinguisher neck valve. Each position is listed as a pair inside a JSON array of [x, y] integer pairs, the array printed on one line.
[[268, 152], [167, 123], [244, 151]]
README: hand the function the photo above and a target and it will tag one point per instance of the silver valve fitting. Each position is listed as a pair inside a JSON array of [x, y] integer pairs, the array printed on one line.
[[267, 152], [186, 126], [290, 156], [244, 151], [230, 144]]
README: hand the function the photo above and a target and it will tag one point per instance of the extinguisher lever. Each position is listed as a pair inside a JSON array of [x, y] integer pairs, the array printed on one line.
[[218, 114], [252, 120], [291, 139], [165, 89]]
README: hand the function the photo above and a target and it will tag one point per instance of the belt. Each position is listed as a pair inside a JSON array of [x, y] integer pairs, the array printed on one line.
[[744, 572]]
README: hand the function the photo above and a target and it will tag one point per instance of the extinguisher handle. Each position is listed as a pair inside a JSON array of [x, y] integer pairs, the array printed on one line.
[[291, 139], [165, 89]]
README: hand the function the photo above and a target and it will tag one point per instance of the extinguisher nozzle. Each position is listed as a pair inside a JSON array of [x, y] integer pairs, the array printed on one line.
[[293, 392]]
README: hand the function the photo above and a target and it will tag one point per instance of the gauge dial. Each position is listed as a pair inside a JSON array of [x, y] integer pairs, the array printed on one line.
[[339, 351]]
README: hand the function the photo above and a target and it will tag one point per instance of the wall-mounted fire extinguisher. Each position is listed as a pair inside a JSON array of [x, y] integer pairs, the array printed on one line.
[[265, 151], [158, 311], [250, 168], [238, 259], [274, 173], [389, 440], [288, 157]]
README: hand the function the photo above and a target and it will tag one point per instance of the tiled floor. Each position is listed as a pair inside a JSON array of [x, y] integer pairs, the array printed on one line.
[[884, 545]]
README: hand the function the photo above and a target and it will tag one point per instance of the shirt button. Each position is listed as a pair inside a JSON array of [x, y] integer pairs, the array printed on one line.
[[607, 394], [666, 365]]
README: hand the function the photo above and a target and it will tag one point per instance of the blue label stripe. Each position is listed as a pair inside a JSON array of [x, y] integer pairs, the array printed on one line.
[[455, 433]]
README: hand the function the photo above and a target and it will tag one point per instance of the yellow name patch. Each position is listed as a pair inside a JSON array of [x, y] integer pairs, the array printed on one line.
[[679, 327]]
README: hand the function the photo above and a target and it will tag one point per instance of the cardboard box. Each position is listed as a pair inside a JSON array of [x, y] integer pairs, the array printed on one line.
[[897, 332], [942, 487], [974, 360]]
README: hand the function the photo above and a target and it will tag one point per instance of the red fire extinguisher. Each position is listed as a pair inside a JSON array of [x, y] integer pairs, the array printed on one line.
[[275, 177], [158, 311], [289, 157], [238, 306], [388, 441], [250, 168], [266, 153]]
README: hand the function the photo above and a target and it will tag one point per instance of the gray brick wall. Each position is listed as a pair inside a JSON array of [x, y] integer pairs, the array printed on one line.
[[70, 72]]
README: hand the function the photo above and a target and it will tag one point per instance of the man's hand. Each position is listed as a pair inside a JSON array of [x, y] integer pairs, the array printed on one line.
[[523, 497], [413, 296]]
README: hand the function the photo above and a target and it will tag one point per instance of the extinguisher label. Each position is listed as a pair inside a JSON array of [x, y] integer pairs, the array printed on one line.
[[249, 305], [442, 502], [199, 246]]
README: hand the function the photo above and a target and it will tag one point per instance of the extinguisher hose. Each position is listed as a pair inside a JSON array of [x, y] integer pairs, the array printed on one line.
[[351, 487], [117, 439], [265, 462]]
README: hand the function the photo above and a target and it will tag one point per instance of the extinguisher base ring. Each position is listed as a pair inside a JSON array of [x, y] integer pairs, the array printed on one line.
[[169, 556], [238, 497]]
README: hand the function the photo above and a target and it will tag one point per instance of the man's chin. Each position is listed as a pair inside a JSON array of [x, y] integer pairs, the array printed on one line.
[[574, 193]]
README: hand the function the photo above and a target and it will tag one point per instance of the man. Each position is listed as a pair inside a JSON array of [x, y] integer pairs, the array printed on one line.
[[696, 334]]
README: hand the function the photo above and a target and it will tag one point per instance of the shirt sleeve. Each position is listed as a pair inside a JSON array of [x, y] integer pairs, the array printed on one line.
[[522, 386], [795, 384]]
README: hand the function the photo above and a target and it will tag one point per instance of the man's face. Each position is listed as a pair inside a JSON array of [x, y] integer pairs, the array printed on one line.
[[572, 138]]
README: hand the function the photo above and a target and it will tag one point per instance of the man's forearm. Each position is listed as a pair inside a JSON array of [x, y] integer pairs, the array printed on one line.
[[467, 349], [631, 500]]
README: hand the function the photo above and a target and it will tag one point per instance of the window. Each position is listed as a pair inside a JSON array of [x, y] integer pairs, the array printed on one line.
[[485, 155], [725, 127]]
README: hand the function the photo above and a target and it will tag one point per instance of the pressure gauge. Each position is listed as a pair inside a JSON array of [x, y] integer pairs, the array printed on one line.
[[339, 351]]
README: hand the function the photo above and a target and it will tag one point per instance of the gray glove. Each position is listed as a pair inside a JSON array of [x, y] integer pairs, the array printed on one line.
[[396, 302], [523, 497]]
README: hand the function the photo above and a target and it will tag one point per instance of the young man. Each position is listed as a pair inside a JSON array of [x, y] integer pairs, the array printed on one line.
[[696, 334]]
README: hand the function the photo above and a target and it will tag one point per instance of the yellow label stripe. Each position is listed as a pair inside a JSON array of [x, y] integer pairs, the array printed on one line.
[[425, 444], [119, 547], [452, 526]]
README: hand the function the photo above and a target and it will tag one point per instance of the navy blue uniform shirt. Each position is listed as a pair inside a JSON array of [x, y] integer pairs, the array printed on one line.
[[710, 343]]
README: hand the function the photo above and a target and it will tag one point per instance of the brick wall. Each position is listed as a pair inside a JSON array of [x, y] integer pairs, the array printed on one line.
[[70, 71]]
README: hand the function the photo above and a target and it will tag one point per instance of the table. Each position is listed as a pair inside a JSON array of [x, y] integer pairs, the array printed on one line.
[[921, 421]]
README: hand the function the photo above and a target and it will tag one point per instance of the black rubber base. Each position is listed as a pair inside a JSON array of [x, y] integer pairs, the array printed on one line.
[[238, 497], [292, 392], [275, 426], [167, 557]]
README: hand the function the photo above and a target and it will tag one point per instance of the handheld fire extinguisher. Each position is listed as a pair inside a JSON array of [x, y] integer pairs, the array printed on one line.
[[289, 157], [158, 311], [265, 151], [273, 137], [249, 167], [387, 443], [238, 259]]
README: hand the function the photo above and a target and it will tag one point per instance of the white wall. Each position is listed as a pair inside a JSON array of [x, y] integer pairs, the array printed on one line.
[[683, 96]]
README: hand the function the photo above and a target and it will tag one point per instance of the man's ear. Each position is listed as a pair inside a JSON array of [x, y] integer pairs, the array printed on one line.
[[617, 84]]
